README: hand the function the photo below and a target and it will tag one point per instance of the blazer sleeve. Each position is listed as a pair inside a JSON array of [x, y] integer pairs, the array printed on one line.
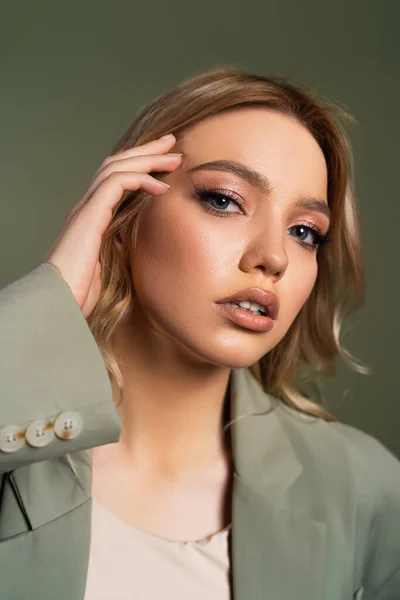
[[381, 572], [55, 393]]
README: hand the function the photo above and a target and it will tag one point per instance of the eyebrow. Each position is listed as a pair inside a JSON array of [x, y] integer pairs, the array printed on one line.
[[259, 181]]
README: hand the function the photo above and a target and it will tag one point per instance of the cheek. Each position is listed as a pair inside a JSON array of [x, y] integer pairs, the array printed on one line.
[[179, 258], [299, 282]]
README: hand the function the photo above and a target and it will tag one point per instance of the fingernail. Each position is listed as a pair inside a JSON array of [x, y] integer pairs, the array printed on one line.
[[167, 137]]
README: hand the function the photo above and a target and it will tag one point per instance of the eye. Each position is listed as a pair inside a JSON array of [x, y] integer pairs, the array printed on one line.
[[311, 233], [307, 235], [221, 200]]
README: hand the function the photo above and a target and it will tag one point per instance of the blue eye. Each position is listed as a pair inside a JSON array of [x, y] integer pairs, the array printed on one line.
[[303, 231], [206, 196], [317, 238]]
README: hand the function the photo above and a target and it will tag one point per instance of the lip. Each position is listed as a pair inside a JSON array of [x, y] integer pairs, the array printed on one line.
[[266, 299], [245, 318]]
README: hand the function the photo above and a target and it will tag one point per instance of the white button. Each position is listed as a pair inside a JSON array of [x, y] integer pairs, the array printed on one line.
[[39, 433], [12, 438], [68, 425]]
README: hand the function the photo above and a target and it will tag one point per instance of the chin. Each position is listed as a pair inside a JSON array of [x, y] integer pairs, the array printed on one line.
[[230, 352]]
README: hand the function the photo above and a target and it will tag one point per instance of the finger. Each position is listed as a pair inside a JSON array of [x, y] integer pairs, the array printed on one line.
[[153, 147], [138, 164], [111, 191], [106, 192], [143, 163]]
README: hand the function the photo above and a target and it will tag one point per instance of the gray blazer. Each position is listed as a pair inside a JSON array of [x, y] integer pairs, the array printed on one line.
[[316, 505]]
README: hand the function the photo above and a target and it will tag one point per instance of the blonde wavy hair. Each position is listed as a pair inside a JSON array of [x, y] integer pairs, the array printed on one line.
[[312, 342]]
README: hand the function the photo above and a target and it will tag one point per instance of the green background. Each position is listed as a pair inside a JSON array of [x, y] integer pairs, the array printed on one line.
[[74, 75]]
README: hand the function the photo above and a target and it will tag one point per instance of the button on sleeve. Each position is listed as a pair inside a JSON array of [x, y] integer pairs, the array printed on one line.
[[39, 433], [12, 438], [68, 425]]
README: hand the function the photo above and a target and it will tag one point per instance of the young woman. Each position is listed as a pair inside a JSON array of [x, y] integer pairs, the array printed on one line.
[[156, 438]]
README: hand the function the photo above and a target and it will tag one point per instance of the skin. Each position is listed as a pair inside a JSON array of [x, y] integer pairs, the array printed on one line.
[[171, 471]]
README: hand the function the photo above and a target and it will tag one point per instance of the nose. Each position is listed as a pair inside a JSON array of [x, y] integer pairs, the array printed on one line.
[[267, 251]]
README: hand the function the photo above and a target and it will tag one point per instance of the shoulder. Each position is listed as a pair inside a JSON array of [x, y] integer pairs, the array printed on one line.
[[350, 457], [377, 474], [377, 468], [363, 446], [362, 466], [380, 470], [366, 448]]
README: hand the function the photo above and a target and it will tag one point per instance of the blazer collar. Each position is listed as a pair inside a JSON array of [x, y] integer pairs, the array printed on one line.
[[277, 550]]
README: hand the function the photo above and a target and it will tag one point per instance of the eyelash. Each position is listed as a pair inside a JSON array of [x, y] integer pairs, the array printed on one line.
[[204, 194]]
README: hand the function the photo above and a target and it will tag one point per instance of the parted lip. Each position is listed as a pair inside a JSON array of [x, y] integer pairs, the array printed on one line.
[[266, 299]]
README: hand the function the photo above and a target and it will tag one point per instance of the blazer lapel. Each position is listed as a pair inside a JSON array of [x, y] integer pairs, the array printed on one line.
[[277, 552]]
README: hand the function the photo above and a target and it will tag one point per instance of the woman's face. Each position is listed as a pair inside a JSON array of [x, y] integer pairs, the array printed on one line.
[[188, 259]]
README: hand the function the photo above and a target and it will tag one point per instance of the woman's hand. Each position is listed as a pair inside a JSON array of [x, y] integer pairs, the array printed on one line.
[[75, 252]]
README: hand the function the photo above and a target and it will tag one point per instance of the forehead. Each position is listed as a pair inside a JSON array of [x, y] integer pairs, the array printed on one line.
[[271, 142]]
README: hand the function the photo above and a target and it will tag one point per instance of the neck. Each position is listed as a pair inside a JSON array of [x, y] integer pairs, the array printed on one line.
[[173, 408]]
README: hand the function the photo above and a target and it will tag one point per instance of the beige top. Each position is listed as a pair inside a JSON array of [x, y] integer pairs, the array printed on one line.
[[127, 563]]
